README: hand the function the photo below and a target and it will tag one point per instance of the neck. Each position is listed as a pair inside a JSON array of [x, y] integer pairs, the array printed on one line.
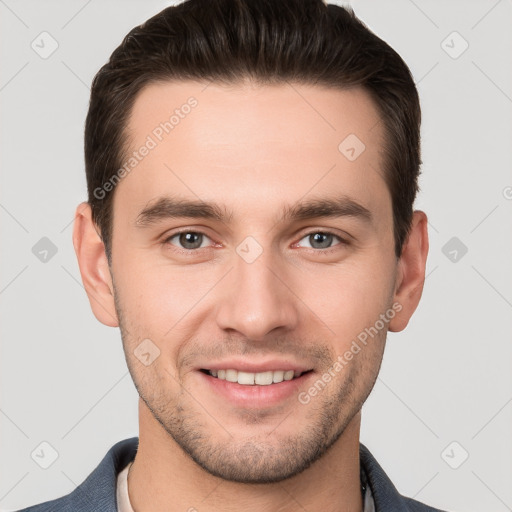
[[163, 477]]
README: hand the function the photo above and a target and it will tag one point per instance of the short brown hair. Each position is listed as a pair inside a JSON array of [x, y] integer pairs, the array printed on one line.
[[268, 41]]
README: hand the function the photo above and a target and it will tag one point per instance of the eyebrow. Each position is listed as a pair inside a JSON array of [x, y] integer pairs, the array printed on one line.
[[174, 208]]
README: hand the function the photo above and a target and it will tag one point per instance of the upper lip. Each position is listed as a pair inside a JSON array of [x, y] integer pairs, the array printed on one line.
[[255, 367]]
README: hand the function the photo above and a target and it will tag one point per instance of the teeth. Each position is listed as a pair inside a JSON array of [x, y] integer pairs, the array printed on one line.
[[288, 375], [278, 376], [231, 375], [261, 378], [245, 378]]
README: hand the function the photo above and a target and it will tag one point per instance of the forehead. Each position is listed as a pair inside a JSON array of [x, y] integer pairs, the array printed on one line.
[[251, 144], [250, 113]]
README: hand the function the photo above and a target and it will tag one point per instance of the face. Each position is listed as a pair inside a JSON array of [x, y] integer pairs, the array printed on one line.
[[252, 284]]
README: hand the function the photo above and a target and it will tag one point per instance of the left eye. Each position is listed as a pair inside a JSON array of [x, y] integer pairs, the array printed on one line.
[[321, 239]]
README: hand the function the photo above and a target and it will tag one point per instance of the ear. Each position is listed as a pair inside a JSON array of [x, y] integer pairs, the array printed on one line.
[[411, 272], [92, 260]]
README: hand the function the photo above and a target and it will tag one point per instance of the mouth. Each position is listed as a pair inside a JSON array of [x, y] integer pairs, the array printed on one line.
[[266, 378]]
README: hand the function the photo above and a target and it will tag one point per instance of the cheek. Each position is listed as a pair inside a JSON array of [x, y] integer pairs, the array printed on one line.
[[349, 297], [160, 302], [154, 294]]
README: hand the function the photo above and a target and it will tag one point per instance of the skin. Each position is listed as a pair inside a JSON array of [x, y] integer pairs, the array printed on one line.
[[253, 149]]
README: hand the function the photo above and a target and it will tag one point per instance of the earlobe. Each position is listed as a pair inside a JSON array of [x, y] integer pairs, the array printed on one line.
[[411, 272], [94, 269]]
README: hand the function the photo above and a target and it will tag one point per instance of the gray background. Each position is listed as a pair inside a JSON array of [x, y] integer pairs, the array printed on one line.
[[447, 378]]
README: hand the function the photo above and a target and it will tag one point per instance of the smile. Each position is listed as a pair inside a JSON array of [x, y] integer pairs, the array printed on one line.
[[265, 378]]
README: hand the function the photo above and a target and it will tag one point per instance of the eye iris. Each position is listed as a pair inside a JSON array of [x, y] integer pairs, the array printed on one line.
[[189, 240], [325, 239]]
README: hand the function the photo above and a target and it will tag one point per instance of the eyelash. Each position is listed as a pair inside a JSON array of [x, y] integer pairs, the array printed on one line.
[[343, 242]]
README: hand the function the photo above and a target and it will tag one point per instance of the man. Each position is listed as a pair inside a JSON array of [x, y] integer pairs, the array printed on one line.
[[252, 168]]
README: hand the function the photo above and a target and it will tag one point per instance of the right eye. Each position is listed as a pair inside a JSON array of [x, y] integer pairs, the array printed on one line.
[[188, 240]]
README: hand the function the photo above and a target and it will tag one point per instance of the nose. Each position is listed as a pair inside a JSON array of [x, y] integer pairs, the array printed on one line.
[[256, 299]]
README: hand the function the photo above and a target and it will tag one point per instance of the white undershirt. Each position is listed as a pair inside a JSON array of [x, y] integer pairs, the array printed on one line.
[[123, 499]]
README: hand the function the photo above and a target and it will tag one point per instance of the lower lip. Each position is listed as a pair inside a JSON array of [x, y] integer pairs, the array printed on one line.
[[251, 396]]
